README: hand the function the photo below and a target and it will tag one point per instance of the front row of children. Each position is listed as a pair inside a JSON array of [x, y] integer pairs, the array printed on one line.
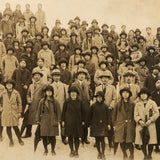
[[124, 116]]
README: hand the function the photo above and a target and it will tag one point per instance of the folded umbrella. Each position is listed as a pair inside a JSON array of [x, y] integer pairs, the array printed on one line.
[[145, 135], [37, 137]]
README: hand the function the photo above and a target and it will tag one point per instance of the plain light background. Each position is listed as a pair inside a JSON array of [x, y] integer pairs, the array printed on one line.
[[133, 13]]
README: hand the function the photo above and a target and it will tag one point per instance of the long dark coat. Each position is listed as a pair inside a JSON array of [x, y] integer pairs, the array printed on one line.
[[48, 115], [156, 97], [98, 119], [123, 120], [66, 76], [73, 116], [22, 77], [33, 98]]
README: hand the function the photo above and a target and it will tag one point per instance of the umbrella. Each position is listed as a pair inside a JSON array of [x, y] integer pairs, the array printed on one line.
[[37, 137], [145, 135], [115, 148]]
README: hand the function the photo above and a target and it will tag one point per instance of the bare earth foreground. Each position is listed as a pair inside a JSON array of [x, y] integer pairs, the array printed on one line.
[[88, 152]]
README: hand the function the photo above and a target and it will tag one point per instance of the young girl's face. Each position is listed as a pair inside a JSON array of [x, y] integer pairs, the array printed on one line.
[[104, 49], [49, 93], [87, 57], [99, 99], [73, 95], [10, 52], [63, 65], [9, 86], [109, 60], [94, 50], [125, 94], [56, 38], [62, 48], [37, 77], [143, 96], [103, 66], [78, 51]]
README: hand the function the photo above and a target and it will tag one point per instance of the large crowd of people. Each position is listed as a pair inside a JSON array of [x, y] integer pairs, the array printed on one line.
[[79, 77]]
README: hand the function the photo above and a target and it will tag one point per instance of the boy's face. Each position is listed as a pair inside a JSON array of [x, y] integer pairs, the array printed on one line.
[[9, 86], [125, 94], [105, 28], [81, 76], [142, 63], [10, 52], [45, 31], [77, 21], [22, 64], [49, 80], [63, 32], [7, 17], [137, 33], [40, 63], [16, 45], [94, 24], [37, 77], [130, 67], [110, 59], [24, 34], [62, 48], [135, 48], [39, 37], [56, 78], [56, 38], [73, 95], [18, 7], [103, 66], [112, 27], [143, 96], [105, 80], [49, 93], [78, 51], [156, 42], [99, 99], [96, 31], [151, 51], [89, 34], [45, 47], [87, 57], [123, 28], [110, 39], [128, 79], [63, 65]]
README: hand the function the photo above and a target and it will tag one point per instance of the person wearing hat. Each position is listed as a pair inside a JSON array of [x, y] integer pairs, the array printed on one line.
[[123, 28], [73, 120], [32, 28], [22, 78], [56, 29], [12, 108], [95, 58], [149, 37], [99, 122], [142, 45], [137, 34], [94, 24], [61, 52], [97, 38], [142, 71], [66, 76], [128, 80], [84, 95], [47, 55], [151, 78], [30, 57], [48, 116], [81, 65], [6, 24], [135, 53], [8, 40], [109, 95], [77, 22], [123, 122], [105, 32], [64, 37], [87, 41], [75, 58], [9, 64], [113, 33], [8, 10], [34, 95], [131, 37], [44, 31], [60, 93], [155, 95], [145, 115], [40, 16], [54, 42], [151, 57], [82, 31], [27, 14], [45, 71], [100, 71], [156, 46]]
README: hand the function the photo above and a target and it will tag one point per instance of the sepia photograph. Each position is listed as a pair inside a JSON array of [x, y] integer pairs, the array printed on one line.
[[79, 80]]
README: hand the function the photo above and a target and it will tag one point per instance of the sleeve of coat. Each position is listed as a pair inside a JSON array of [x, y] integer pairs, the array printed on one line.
[[66, 91], [29, 100], [136, 114], [96, 78], [114, 98], [155, 112], [39, 111], [114, 115], [52, 59], [64, 111], [19, 103], [58, 110]]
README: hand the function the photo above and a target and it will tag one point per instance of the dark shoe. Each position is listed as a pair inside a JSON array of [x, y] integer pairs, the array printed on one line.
[[21, 142], [145, 158], [53, 153], [138, 147], [71, 154], [45, 153], [65, 142], [76, 155], [11, 144], [149, 158], [99, 156], [26, 136], [131, 157], [87, 142], [157, 150]]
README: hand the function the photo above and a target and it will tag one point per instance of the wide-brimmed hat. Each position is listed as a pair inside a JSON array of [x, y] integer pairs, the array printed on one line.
[[104, 46], [128, 73], [39, 34], [97, 28], [56, 72], [110, 55], [81, 61], [77, 17], [137, 30], [143, 59], [87, 54], [95, 47], [84, 23], [10, 81], [48, 88], [58, 21], [105, 74], [144, 90], [24, 30], [10, 48], [151, 47], [32, 17], [73, 89], [105, 25], [129, 63], [44, 43], [78, 47], [63, 60], [141, 37], [155, 67], [81, 70], [44, 27], [135, 45], [102, 62], [99, 94], [123, 33], [73, 34], [126, 89], [37, 71], [61, 44]]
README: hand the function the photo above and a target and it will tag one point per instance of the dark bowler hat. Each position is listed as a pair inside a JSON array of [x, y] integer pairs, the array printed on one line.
[[73, 89], [144, 91], [126, 89]]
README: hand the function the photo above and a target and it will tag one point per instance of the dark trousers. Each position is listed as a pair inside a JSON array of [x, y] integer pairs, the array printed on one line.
[[74, 141], [17, 132], [52, 141], [100, 144], [150, 150], [28, 130], [85, 133], [125, 146]]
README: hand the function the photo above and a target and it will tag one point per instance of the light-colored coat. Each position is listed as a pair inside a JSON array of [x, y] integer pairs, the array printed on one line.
[[60, 92], [139, 113], [110, 95], [11, 108], [2, 52]]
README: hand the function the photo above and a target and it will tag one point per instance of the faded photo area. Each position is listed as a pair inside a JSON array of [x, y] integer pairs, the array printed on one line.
[[79, 79]]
